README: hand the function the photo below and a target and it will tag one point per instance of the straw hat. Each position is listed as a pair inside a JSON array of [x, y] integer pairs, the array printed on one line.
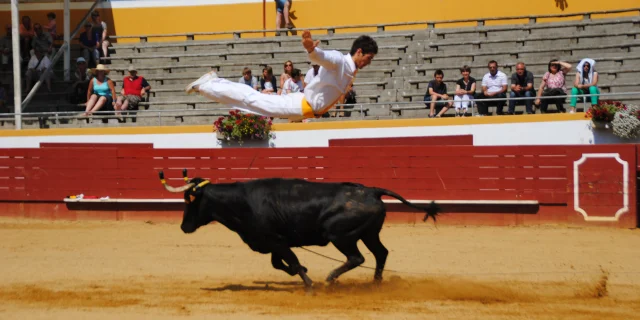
[[100, 67]]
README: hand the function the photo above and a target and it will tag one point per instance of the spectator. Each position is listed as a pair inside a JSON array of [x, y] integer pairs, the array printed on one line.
[[101, 91], [51, 27], [6, 45], [553, 84], [288, 67], [347, 98], [248, 79], [37, 66], [282, 11], [26, 36], [522, 86], [465, 91], [89, 46], [293, 84], [268, 81], [82, 77], [99, 30], [42, 40], [312, 73], [133, 88], [586, 80], [437, 90], [494, 86]]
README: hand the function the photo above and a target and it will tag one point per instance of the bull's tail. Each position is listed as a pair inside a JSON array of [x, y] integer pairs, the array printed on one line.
[[431, 210]]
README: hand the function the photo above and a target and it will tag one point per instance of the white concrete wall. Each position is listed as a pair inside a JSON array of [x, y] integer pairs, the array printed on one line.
[[533, 133]]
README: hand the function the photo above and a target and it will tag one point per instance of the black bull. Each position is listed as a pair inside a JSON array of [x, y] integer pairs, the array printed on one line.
[[274, 215]]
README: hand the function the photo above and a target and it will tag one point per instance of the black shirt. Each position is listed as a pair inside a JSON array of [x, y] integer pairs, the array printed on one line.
[[466, 87], [524, 80], [440, 89]]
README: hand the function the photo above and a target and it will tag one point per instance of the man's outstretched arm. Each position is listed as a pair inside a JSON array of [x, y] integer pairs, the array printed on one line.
[[327, 59]]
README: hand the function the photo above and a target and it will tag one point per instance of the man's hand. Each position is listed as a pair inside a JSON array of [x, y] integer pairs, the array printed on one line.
[[308, 42], [518, 88]]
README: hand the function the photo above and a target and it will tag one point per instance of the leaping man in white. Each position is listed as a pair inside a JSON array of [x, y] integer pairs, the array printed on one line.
[[337, 72]]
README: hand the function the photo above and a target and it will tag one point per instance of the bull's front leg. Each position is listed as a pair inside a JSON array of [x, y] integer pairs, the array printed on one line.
[[276, 262], [294, 264]]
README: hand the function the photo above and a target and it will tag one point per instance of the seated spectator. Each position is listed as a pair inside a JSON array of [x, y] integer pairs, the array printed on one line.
[[586, 81], [522, 86], [437, 90], [347, 98], [51, 27], [465, 91], [26, 37], [248, 79], [294, 83], [36, 67], [133, 88], [6, 45], [101, 91], [79, 88], [494, 86], [288, 68], [42, 40], [89, 46], [312, 73], [553, 84], [268, 82], [99, 30]]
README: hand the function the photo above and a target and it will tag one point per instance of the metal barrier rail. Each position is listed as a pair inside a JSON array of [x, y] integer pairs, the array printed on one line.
[[357, 107]]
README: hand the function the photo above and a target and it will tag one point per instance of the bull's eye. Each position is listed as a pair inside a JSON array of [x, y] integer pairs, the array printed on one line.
[[192, 197]]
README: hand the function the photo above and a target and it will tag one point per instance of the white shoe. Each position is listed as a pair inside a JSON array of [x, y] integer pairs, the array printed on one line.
[[206, 77]]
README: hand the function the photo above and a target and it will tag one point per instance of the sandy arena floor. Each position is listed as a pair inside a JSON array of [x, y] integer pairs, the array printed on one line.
[[137, 270]]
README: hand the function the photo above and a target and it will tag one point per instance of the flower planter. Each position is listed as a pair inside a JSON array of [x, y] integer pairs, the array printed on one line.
[[248, 142], [601, 125]]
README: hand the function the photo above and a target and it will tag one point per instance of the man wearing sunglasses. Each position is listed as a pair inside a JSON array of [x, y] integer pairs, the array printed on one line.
[[337, 72]]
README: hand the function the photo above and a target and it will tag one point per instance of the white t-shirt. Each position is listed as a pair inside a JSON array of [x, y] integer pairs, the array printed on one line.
[[44, 64], [494, 83], [310, 75], [292, 86]]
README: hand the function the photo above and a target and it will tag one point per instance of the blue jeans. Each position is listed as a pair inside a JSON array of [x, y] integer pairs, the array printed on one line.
[[527, 103]]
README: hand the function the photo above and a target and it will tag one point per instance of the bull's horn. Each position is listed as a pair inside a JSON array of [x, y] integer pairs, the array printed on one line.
[[184, 175], [172, 189]]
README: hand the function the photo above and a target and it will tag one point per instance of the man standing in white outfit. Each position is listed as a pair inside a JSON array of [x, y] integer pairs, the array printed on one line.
[[337, 72]]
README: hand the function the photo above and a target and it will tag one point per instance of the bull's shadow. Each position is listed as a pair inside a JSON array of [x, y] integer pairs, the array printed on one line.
[[266, 287]]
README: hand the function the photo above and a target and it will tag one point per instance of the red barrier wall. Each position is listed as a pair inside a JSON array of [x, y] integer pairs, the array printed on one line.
[[544, 173], [460, 140]]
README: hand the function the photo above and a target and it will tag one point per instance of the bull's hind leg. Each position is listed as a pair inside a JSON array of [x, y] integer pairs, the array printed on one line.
[[354, 258], [374, 245], [294, 264]]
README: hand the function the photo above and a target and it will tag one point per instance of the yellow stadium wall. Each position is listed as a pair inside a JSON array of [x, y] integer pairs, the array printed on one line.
[[129, 18]]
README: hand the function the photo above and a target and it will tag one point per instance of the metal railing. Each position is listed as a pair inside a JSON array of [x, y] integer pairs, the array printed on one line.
[[361, 108], [57, 56], [381, 27]]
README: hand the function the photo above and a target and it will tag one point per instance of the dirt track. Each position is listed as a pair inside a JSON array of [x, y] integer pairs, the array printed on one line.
[[134, 270]]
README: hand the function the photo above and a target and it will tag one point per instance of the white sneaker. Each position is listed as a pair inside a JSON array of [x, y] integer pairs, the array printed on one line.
[[206, 77]]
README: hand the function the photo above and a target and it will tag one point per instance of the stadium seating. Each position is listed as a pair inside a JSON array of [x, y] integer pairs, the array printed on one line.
[[400, 73]]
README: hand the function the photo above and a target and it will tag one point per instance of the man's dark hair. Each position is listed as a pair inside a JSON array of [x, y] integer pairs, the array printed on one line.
[[493, 61], [465, 68], [366, 43], [438, 72], [295, 73]]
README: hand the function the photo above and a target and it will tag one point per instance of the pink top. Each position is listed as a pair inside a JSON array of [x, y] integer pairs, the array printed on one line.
[[555, 80]]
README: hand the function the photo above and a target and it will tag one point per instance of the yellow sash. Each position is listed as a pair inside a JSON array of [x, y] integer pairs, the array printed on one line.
[[307, 111]]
